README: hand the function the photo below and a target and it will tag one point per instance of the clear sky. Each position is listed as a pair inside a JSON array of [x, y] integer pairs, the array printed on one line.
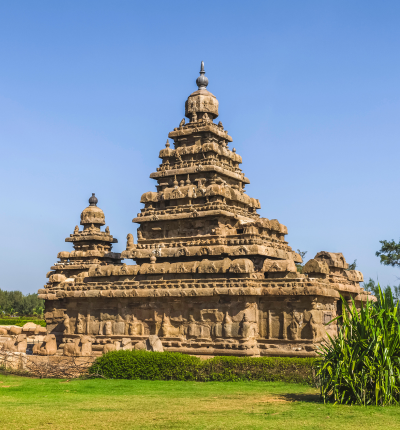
[[309, 91]]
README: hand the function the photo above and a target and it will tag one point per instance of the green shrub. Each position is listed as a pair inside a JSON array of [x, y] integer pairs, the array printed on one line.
[[182, 367], [21, 321], [285, 369], [362, 364], [146, 365]]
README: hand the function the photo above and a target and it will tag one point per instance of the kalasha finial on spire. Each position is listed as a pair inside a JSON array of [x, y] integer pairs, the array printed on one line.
[[202, 81], [93, 200]]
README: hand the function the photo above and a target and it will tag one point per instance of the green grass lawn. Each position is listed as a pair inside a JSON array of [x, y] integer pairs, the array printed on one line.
[[119, 404]]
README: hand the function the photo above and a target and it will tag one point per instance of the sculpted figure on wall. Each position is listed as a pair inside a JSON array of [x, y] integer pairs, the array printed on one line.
[[165, 326], [108, 328], [192, 328], [129, 242], [294, 329], [295, 325], [247, 328], [314, 327], [80, 322], [227, 325], [66, 325], [135, 327]]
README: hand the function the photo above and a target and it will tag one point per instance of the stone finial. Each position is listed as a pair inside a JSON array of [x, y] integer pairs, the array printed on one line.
[[167, 145], [93, 200], [202, 81]]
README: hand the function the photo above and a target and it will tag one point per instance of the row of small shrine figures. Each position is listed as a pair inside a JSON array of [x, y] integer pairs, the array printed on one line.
[[227, 329]]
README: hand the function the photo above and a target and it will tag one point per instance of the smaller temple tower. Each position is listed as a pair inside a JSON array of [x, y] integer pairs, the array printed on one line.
[[92, 248]]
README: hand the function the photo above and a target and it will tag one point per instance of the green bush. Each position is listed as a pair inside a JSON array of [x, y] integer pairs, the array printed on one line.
[[362, 364], [21, 321], [285, 369], [146, 365], [182, 367]]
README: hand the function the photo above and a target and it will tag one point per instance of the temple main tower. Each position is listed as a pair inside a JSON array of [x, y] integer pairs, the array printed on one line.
[[211, 276]]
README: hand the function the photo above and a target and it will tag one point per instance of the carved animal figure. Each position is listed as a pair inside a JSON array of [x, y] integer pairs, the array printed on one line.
[[15, 330], [16, 344], [71, 349], [109, 346], [47, 347]]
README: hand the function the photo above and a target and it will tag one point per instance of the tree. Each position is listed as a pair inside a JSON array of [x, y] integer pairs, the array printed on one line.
[[352, 266], [389, 253], [300, 265], [14, 302], [387, 291]]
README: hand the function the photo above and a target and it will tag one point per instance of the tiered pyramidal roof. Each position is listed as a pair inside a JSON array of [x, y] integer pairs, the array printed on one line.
[[92, 247], [200, 208]]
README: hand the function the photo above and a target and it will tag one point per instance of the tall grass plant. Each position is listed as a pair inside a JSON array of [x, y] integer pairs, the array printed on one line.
[[362, 364]]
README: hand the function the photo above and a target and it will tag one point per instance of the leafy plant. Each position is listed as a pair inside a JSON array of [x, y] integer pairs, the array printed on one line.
[[362, 364]]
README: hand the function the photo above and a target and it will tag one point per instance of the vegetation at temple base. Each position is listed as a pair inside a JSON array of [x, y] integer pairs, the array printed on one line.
[[14, 303], [177, 366], [28, 403], [182, 367], [362, 364], [20, 322]]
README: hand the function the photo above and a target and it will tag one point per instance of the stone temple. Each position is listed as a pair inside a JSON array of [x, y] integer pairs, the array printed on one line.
[[209, 276]]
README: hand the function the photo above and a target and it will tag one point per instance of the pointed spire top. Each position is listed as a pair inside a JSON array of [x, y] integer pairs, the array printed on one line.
[[202, 81], [93, 200]]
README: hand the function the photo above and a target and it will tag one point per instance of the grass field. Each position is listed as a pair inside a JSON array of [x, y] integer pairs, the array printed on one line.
[[119, 404]]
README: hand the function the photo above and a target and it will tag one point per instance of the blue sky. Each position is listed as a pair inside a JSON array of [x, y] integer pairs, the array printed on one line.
[[308, 90]]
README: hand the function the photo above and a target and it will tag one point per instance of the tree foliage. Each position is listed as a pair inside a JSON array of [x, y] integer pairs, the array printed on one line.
[[15, 303], [352, 266], [389, 253], [387, 291], [301, 265]]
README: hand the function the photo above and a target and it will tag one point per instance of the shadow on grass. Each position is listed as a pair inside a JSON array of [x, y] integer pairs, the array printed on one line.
[[302, 397]]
